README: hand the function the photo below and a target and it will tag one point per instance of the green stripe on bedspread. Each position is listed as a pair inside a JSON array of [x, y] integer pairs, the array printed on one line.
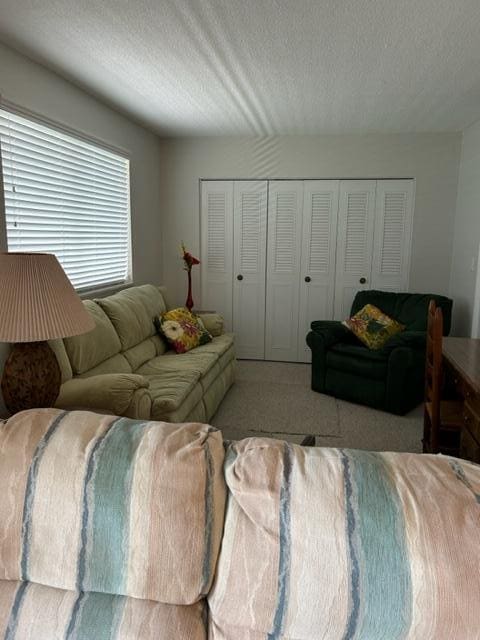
[[379, 608], [108, 491], [99, 616]]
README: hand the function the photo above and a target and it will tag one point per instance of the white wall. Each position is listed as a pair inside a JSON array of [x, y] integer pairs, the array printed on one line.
[[32, 86], [467, 232], [432, 159]]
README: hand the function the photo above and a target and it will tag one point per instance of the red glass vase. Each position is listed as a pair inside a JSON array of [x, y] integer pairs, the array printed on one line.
[[189, 301]]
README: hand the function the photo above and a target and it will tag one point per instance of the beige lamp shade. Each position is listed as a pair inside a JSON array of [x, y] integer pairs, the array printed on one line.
[[37, 300]]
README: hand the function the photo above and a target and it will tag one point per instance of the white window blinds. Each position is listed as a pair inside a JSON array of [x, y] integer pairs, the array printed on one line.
[[66, 196]]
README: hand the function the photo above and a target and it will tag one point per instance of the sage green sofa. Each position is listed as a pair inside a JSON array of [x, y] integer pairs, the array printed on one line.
[[124, 367]]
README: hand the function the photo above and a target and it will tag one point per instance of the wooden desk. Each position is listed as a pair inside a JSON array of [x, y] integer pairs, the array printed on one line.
[[462, 367]]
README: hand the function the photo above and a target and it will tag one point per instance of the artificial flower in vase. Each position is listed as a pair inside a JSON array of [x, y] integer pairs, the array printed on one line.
[[189, 261]]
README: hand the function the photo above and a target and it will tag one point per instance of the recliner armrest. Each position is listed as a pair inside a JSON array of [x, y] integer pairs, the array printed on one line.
[[413, 339], [332, 331], [324, 334]]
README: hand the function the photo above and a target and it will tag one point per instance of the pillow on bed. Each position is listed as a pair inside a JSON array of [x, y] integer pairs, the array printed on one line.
[[337, 543]]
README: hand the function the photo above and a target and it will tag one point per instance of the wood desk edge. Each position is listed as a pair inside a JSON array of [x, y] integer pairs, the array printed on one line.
[[463, 354]]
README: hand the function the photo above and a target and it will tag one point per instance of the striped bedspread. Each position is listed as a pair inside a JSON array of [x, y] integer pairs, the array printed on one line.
[[99, 514], [341, 545], [30, 611]]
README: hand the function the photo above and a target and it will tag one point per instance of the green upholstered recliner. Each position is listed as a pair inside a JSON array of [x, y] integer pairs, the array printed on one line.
[[391, 378]]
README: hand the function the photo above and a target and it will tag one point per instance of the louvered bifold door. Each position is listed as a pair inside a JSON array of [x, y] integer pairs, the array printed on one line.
[[217, 248], [285, 202], [356, 217], [392, 237], [250, 247], [317, 275]]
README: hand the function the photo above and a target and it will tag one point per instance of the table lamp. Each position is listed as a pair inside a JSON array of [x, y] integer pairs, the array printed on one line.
[[37, 303]]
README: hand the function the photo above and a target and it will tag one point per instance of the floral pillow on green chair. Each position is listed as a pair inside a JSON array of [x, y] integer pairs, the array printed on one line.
[[182, 329], [373, 327]]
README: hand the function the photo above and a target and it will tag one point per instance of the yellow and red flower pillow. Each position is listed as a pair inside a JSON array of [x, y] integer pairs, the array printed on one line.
[[372, 326], [183, 330]]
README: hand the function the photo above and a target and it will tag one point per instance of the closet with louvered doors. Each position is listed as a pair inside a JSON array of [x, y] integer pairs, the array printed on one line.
[[216, 240], [278, 254], [374, 238], [233, 258], [302, 230], [249, 260]]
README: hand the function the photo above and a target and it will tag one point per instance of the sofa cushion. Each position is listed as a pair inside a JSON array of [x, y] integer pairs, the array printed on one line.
[[58, 348], [115, 364], [132, 311], [170, 390], [38, 612], [197, 414], [111, 505], [218, 346], [164, 293], [332, 543], [358, 360], [215, 390], [223, 346], [90, 349], [227, 357], [140, 353], [207, 360], [199, 363]]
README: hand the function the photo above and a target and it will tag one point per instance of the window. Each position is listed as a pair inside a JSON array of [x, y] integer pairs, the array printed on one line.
[[66, 196]]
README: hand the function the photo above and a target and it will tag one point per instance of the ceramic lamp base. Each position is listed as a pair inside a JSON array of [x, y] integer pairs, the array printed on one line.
[[31, 377]]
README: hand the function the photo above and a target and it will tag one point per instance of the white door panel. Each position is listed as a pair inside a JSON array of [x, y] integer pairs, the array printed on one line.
[[392, 237], [317, 278], [284, 316], [217, 247], [356, 217], [250, 239], [284, 241]]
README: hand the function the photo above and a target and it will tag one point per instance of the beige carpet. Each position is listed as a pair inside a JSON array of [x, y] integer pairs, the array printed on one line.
[[274, 399]]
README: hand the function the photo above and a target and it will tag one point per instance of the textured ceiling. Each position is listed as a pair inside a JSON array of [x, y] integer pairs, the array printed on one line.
[[263, 67]]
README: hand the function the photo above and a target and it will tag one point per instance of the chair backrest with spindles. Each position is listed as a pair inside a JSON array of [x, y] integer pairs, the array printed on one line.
[[433, 368]]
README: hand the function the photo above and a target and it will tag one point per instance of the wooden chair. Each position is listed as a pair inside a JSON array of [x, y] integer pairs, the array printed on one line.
[[442, 418]]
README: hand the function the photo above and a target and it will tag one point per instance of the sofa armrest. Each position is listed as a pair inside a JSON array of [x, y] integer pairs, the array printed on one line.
[[122, 394], [213, 323]]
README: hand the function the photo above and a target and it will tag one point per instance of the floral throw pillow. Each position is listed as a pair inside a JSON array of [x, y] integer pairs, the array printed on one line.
[[182, 329], [372, 326]]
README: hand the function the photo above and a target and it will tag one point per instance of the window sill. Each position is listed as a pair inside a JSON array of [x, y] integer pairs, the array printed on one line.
[[103, 292]]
